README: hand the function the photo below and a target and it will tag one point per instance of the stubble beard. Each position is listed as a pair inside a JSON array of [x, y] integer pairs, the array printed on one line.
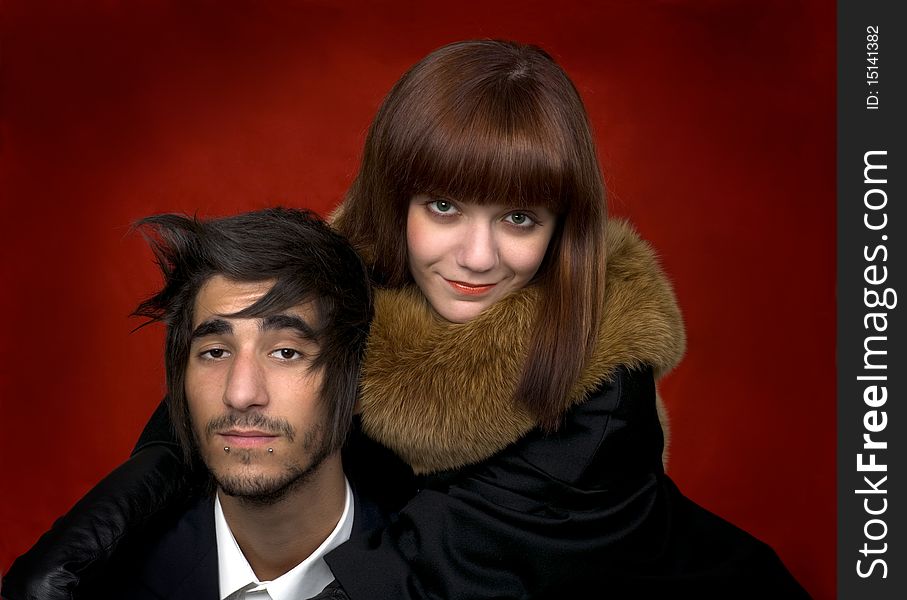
[[261, 490]]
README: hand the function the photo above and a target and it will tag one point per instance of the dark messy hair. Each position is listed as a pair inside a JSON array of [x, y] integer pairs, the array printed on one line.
[[488, 121], [308, 263]]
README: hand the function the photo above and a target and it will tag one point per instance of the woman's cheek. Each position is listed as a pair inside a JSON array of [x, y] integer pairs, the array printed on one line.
[[426, 241], [526, 255]]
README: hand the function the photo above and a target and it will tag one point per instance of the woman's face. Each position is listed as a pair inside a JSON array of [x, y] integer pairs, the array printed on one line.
[[465, 257]]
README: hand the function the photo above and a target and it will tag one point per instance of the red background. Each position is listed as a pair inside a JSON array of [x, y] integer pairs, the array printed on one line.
[[715, 123]]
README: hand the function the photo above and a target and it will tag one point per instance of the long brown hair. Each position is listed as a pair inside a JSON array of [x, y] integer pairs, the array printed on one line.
[[490, 121]]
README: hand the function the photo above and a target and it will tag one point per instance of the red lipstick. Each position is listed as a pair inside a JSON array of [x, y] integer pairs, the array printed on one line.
[[470, 289]]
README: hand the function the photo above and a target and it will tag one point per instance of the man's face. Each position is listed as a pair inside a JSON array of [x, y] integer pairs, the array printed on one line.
[[253, 398]]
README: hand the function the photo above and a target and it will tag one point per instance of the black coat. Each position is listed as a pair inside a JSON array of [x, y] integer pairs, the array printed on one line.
[[174, 555], [587, 508]]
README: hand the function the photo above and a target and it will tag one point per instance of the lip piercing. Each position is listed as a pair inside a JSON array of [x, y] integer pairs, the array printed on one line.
[[227, 450]]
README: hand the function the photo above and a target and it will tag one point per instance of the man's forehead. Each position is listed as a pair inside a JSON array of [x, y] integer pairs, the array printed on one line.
[[220, 297]]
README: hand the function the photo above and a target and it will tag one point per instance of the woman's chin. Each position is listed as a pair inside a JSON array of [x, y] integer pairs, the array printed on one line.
[[461, 311]]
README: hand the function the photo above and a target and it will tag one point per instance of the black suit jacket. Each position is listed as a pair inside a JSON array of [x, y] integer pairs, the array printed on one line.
[[175, 557]]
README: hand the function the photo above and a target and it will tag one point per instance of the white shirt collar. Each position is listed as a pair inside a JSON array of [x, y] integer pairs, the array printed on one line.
[[305, 580]]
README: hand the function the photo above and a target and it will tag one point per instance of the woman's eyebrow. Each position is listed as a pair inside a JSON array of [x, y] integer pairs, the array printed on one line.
[[212, 327], [284, 321]]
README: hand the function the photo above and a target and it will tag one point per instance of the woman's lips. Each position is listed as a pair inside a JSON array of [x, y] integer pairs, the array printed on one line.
[[470, 289]]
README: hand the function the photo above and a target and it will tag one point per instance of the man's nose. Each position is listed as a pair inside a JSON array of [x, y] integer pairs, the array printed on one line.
[[245, 383]]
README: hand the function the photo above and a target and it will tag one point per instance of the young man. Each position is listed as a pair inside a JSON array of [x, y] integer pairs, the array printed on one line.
[[267, 314]]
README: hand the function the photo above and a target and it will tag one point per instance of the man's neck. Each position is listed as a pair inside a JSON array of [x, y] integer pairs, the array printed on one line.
[[275, 538]]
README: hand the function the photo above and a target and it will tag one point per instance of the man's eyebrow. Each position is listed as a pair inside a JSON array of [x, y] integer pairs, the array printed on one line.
[[283, 321], [212, 327]]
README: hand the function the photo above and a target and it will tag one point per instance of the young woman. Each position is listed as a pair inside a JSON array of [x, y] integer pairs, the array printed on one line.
[[511, 363]]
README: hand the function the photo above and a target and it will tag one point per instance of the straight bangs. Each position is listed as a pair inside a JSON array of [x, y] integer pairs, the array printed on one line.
[[490, 153]]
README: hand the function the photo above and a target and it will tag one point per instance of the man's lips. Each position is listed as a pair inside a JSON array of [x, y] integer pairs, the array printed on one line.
[[470, 289], [247, 438]]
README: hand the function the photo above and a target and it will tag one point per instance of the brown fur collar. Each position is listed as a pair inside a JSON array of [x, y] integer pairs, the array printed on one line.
[[440, 394]]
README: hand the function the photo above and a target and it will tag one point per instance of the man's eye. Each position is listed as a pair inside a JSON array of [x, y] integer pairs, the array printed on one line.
[[286, 354], [214, 353]]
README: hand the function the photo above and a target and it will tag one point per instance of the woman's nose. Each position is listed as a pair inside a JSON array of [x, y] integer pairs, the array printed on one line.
[[245, 386], [478, 248]]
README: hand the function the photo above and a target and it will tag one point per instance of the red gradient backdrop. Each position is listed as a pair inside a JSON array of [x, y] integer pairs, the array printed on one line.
[[715, 123]]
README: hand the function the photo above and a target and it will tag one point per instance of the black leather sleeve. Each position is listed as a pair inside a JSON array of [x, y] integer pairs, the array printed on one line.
[[158, 430], [80, 543]]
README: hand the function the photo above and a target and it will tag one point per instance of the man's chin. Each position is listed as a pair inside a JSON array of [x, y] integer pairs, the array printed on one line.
[[267, 488], [247, 476], [262, 489]]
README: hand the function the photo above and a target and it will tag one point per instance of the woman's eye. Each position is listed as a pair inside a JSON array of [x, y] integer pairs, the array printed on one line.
[[443, 207], [520, 219], [286, 354]]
